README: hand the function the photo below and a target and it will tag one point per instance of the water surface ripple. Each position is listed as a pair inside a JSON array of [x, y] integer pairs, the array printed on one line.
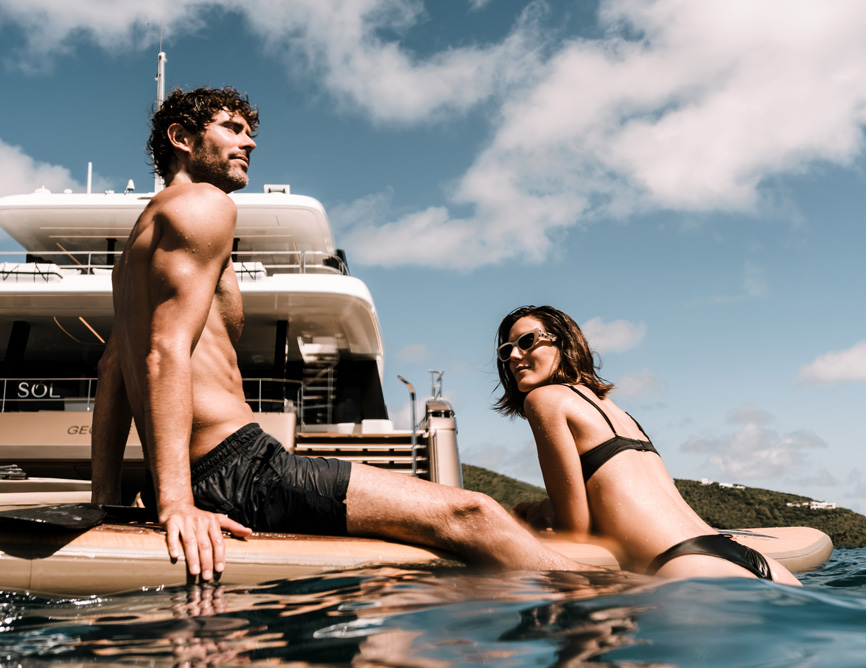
[[454, 617]]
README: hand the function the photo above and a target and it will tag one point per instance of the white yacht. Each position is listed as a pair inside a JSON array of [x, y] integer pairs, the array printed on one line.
[[311, 353]]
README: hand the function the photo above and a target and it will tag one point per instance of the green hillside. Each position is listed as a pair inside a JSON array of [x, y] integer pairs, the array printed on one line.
[[720, 507]]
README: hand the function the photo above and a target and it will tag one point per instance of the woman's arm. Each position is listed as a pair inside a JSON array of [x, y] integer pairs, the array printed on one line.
[[547, 410]]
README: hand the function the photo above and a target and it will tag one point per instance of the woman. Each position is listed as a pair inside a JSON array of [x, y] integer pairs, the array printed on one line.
[[602, 473]]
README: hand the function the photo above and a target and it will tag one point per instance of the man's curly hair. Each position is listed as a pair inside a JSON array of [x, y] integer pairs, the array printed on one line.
[[194, 110]]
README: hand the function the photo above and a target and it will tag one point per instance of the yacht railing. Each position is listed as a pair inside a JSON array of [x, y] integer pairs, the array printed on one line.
[[273, 395], [288, 262], [48, 267], [270, 395], [77, 392]]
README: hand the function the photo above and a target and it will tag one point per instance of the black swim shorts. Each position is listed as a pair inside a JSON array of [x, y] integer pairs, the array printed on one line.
[[251, 478]]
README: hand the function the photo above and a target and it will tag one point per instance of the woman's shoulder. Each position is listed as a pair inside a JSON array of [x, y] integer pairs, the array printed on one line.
[[548, 397], [563, 399]]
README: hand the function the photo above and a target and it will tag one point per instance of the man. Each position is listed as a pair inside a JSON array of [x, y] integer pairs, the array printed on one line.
[[170, 364]]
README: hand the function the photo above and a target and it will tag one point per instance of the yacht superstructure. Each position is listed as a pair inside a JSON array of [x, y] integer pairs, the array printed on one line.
[[311, 354]]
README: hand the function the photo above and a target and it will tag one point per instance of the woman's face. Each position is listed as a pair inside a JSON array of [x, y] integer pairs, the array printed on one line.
[[531, 368]]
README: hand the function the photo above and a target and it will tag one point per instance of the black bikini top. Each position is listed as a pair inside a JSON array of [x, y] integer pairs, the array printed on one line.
[[592, 460]]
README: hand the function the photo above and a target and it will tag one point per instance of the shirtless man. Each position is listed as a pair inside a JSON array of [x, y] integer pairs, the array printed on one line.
[[171, 366]]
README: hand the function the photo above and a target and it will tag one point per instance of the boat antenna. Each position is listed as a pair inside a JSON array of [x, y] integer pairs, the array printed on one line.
[[158, 183], [436, 383]]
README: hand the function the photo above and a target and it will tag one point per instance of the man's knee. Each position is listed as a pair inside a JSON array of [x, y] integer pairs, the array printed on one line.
[[468, 509]]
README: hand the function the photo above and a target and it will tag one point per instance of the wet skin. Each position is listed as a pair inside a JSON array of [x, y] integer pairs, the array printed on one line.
[[630, 504]]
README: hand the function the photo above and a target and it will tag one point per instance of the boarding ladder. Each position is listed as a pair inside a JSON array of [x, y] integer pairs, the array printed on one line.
[[319, 390]]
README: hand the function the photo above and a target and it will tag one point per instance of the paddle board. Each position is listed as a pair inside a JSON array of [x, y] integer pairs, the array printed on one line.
[[112, 558]]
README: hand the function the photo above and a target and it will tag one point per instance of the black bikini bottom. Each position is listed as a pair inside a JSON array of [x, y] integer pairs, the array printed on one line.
[[716, 545]]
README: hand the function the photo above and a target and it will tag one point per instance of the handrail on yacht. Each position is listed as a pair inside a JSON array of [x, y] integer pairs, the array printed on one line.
[[299, 262], [51, 266], [259, 383], [47, 386], [46, 394]]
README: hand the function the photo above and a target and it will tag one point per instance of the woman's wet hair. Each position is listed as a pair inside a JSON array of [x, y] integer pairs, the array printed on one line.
[[577, 363], [194, 110]]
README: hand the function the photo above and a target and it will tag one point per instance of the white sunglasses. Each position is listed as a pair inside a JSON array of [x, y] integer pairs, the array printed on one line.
[[526, 342]]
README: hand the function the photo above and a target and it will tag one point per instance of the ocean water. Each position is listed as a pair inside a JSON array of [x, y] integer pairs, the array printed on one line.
[[454, 617]]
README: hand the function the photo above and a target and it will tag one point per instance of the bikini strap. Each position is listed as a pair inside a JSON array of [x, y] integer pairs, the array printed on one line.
[[597, 407], [638, 425]]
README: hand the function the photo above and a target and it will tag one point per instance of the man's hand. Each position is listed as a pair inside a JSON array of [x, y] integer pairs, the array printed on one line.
[[199, 534], [537, 514]]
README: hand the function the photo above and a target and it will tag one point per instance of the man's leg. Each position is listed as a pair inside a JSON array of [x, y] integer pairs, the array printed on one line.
[[472, 525]]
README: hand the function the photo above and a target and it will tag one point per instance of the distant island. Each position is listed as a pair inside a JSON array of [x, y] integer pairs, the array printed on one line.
[[735, 507]]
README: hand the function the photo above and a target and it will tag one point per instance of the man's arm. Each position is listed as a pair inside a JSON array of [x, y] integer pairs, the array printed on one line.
[[112, 419], [195, 240]]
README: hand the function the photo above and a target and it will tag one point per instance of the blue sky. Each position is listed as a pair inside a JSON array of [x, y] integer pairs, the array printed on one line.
[[685, 179]]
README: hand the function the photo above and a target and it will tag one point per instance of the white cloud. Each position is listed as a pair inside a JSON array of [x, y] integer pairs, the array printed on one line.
[[51, 28], [857, 492], [822, 479], [402, 417], [698, 114], [342, 46], [638, 385], [415, 239], [753, 284], [754, 280], [749, 414], [416, 352], [843, 366], [754, 452], [338, 44], [613, 337], [362, 213], [23, 174], [411, 239], [694, 117]]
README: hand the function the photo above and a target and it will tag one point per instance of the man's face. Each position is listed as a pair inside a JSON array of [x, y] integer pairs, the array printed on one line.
[[221, 154]]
